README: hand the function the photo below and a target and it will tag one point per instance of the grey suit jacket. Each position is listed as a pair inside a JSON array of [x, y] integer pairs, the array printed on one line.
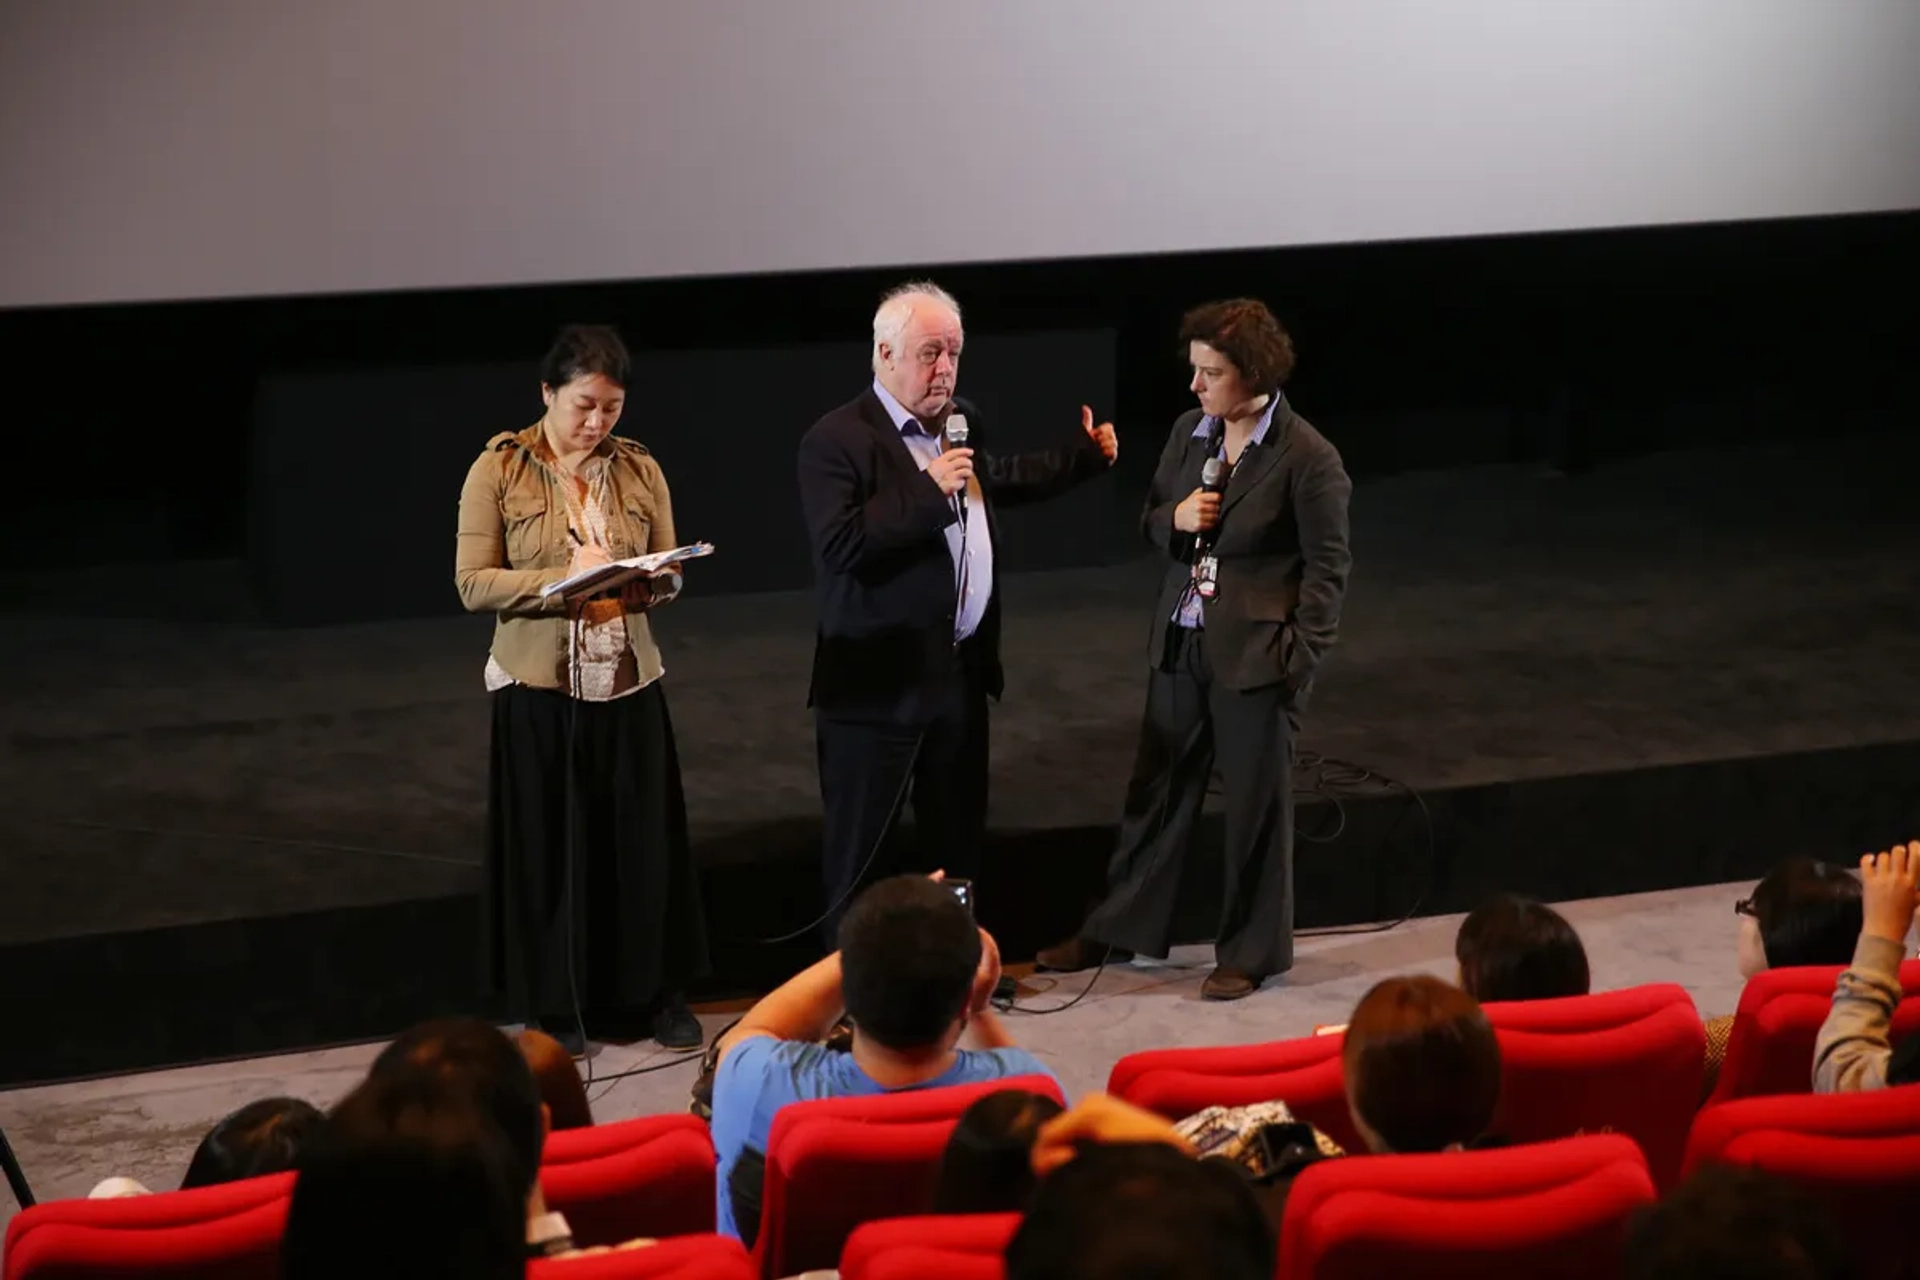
[[1282, 547]]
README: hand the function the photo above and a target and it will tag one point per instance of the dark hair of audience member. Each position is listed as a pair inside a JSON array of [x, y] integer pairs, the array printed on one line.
[[1422, 1066], [1736, 1222], [260, 1138], [987, 1166], [908, 955], [1809, 912], [558, 1080], [409, 1179], [1142, 1211], [1513, 948], [476, 1057], [581, 350]]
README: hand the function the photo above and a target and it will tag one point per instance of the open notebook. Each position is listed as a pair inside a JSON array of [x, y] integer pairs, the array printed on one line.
[[620, 572]]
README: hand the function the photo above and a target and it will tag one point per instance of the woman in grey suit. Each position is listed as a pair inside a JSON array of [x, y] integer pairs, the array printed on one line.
[[1248, 607]]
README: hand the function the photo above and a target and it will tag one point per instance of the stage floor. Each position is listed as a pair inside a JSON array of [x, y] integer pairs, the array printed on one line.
[[168, 762]]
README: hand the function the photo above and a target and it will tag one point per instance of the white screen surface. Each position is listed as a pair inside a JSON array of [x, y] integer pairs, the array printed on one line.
[[163, 149]]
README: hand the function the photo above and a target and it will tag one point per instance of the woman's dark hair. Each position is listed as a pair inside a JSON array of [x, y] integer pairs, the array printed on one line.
[[1245, 332], [908, 955], [474, 1058], [1422, 1065], [561, 1089], [583, 349], [1809, 913], [988, 1164], [262, 1137], [409, 1180], [1137, 1209], [1514, 948], [1736, 1222]]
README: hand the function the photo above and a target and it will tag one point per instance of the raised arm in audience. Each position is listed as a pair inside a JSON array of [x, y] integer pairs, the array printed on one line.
[[1852, 1050]]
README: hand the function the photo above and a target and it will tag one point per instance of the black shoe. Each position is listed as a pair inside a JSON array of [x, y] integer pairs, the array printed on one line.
[[1078, 953], [565, 1029], [675, 1027]]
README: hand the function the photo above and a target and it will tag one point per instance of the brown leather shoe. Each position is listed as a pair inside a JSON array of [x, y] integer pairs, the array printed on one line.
[[1229, 983], [1077, 953]]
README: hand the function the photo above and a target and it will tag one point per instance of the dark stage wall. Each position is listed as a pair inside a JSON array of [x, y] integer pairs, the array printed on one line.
[[355, 475], [1568, 349]]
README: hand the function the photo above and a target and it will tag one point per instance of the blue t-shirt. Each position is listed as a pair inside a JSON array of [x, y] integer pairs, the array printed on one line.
[[762, 1075]]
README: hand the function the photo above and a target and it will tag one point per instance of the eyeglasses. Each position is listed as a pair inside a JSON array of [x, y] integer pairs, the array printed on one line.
[[1744, 907]]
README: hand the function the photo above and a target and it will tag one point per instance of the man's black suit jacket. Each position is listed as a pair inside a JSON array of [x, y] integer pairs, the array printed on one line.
[[1282, 547], [883, 574]]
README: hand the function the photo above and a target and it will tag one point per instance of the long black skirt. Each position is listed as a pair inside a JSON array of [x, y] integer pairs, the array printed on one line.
[[617, 925]]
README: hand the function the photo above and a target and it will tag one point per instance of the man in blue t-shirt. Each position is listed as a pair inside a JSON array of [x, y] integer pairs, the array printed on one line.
[[913, 974]]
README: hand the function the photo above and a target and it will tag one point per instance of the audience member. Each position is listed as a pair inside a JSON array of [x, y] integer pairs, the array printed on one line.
[[1853, 1051], [1803, 912], [1422, 1067], [561, 1088], [260, 1138], [474, 1060], [1734, 1222], [1139, 1208], [409, 1179], [1513, 948], [914, 975], [988, 1164]]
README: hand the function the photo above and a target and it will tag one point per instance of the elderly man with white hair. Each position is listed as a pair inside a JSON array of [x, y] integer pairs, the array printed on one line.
[[899, 496]]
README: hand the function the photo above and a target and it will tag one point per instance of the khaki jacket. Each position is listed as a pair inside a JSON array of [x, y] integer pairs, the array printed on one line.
[[513, 541]]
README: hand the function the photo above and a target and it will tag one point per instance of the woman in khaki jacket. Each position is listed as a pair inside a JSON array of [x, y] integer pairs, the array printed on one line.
[[594, 921]]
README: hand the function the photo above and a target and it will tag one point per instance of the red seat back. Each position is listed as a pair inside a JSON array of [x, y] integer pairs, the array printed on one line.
[[1770, 1049], [240, 1246], [1859, 1152], [1627, 1061], [155, 1212], [698, 1257], [649, 1177], [1556, 1209], [1305, 1074], [836, 1163], [957, 1247]]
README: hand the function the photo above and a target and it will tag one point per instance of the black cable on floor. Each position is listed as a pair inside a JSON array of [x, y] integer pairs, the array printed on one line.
[[1333, 780]]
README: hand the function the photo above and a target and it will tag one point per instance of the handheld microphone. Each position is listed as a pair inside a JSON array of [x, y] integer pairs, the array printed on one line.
[[1213, 479], [955, 437]]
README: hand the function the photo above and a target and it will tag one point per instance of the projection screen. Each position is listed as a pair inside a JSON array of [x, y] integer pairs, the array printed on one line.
[[170, 149]]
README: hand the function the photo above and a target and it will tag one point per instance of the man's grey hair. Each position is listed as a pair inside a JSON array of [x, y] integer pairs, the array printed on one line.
[[896, 309]]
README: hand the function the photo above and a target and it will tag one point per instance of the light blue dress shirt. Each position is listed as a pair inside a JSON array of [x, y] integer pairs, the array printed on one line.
[[1191, 611], [971, 548]]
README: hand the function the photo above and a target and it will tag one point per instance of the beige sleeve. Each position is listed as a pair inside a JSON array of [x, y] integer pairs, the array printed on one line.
[[661, 536], [480, 571], [1850, 1055]]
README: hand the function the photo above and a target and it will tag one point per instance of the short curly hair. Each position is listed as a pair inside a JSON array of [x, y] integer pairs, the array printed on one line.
[[1245, 332]]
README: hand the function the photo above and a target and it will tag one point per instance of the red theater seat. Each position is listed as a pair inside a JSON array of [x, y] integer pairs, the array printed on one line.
[[139, 1214], [650, 1177], [1305, 1074], [836, 1163], [242, 1246], [958, 1247], [1859, 1152], [1556, 1209], [1627, 1062], [702, 1257], [1770, 1050]]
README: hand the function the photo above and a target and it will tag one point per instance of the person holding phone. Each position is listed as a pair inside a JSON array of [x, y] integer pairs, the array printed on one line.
[[593, 913]]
